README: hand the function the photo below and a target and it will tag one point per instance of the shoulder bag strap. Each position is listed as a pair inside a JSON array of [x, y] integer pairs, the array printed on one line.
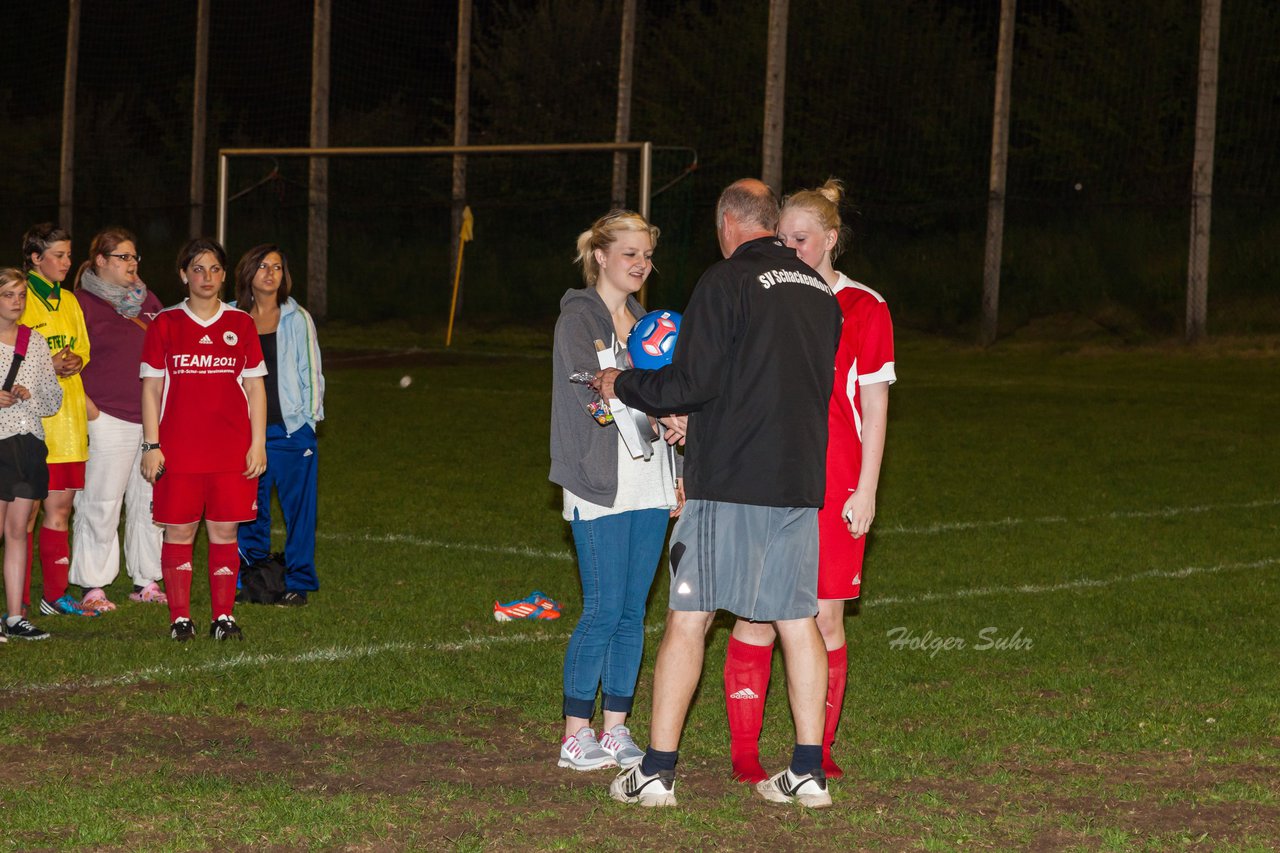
[[19, 353]]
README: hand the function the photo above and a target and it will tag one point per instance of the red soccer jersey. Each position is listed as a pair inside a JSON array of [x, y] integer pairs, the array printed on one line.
[[204, 412], [865, 356]]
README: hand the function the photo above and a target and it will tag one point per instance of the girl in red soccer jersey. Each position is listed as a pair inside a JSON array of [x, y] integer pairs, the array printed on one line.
[[856, 423], [204, 414], [29, 392]]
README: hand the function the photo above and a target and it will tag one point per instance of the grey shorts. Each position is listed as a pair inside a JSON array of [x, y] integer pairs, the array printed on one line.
[[757, 562]]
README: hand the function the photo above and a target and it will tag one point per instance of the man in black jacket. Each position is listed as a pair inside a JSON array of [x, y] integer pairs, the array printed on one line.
[[753, 367]]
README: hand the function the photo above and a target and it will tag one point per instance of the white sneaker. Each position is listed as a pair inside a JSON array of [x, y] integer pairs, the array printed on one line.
[[632, 786], [808, 790], [583, 752], [618, 743]]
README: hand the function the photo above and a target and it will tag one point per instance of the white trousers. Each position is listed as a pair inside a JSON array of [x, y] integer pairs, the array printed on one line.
[[112, 477]]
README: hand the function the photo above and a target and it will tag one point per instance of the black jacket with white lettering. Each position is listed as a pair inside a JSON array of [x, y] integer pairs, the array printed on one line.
[[753, 367]]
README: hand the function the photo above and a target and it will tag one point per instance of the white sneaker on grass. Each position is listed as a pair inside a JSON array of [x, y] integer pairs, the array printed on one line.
[[632, 786], [618, 743], [583, 752], [808, 790]]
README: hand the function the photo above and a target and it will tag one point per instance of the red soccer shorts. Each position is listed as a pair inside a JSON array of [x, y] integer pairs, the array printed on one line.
[[839, 554], [66, 475], [221, 497]]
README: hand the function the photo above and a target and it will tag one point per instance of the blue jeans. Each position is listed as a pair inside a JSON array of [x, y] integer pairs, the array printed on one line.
[[617, 560], [291, 471]]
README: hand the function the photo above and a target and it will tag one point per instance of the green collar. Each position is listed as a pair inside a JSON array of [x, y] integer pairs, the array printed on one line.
[[48, 292]]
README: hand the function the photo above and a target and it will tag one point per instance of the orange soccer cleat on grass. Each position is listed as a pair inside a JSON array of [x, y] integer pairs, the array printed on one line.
[[533, 606]]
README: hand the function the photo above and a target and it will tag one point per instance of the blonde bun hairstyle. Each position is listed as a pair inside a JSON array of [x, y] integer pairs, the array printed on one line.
[[603, 233], [824, 204]]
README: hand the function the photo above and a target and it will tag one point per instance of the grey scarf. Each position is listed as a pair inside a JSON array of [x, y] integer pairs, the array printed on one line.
[[126, 300]]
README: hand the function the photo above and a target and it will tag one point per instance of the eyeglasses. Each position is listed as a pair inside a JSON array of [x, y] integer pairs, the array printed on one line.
[[126, 257]]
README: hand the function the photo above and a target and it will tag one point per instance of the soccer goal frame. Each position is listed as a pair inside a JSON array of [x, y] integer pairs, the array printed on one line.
[[645, 150]]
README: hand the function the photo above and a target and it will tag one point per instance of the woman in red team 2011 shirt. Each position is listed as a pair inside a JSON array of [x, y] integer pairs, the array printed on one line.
[[204, 415], [856, 422]]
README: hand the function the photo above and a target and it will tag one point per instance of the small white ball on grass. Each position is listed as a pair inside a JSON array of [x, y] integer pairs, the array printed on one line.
[[406, 381]]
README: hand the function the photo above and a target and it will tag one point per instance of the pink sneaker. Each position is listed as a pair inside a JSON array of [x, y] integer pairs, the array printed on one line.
[[150, 594], [96, 599]]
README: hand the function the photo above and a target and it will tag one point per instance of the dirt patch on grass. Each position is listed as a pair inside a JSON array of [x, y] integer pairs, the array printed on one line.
[[475, 777]]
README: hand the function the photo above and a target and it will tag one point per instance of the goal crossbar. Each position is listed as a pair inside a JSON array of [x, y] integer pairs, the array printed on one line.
[[645, 149]]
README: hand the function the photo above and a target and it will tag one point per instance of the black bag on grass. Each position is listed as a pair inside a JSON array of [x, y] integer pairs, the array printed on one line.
[[262, 582]]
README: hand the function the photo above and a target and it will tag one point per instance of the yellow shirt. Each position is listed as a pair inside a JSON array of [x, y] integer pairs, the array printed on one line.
[[55, 313]]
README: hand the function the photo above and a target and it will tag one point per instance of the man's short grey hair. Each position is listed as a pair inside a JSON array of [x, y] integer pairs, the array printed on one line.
[[751, 203]]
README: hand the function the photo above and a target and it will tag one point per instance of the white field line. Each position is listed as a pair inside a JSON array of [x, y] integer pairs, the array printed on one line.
[[886, 530], [342, 653], [424, 542], [1067, 586], [1119, 515], [332, 654]]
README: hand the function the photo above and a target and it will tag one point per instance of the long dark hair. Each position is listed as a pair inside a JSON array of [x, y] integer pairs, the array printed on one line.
[[247, 268]]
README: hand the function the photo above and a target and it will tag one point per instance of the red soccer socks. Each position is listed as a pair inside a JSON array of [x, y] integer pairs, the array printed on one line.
[[837, 673], [175, 567], [55, 562], [746, 683], [224, 565]]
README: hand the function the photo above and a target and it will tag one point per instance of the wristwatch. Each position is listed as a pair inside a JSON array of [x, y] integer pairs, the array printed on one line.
[[150, 445]]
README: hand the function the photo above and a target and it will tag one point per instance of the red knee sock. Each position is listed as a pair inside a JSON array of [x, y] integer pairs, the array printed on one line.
[[55, 562], [175, 568], [837, 673], [26, 582], [224, 565], [746, 683]]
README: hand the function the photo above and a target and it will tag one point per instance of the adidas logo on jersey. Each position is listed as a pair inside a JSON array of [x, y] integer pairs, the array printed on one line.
[[744, 693], [223, 572], [206, 340]]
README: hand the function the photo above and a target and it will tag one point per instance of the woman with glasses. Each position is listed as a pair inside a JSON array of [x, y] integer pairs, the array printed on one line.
[[117, 308], [55, 313]]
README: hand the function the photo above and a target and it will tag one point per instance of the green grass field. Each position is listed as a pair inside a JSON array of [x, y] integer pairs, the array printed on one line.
[[1112, 516]]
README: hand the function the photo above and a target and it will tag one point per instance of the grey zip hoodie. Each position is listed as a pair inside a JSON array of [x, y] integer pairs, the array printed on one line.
[[584, 454]]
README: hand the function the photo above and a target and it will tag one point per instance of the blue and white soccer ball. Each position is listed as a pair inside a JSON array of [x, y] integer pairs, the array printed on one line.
[[653, 339]]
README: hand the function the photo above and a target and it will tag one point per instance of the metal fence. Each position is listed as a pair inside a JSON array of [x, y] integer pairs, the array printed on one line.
[[896, 98]]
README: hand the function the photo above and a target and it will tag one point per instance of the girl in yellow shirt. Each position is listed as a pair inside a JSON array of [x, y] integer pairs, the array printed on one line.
[[55, 314]]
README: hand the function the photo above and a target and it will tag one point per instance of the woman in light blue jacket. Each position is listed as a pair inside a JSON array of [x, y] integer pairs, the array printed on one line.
[[295, 402]]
